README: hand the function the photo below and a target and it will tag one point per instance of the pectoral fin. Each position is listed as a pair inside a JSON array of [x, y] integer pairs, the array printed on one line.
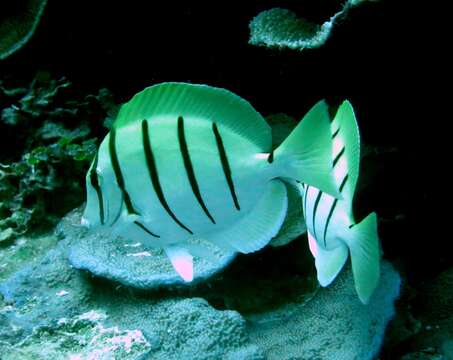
[[256, 229]]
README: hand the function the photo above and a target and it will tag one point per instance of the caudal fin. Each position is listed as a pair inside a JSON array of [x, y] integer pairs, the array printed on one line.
[[362, 240], [306, 154]]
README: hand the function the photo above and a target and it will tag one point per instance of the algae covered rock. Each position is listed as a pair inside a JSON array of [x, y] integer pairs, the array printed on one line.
[[18, 22], [333, 325], [282, 28], [192, 329], [81, 337], [44, 291], [47, 139], [49, 307]]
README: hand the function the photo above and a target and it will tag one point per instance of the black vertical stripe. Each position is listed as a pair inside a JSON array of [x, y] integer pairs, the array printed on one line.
[[332, 208], [189, 168], [225, 164], [305, 201], [335, 133], [338, 156], [141, 226], [118, 174], [95, 184], [270, 158], [314, 212], [151, 164], [343, 183]]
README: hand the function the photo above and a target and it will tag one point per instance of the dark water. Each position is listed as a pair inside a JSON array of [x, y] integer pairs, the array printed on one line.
[[374, 59]]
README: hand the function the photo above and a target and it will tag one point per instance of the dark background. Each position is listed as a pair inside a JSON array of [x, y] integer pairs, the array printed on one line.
[[377, 58]]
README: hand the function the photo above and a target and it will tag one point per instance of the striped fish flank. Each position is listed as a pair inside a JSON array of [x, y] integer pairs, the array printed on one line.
[[332, 230], [184, 160]]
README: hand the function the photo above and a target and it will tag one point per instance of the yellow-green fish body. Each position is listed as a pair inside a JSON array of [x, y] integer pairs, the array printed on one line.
[[331, 228], [189, 161]]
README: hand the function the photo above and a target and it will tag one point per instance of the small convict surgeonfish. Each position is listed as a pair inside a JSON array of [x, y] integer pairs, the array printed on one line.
[[332, 231], [186, 161]]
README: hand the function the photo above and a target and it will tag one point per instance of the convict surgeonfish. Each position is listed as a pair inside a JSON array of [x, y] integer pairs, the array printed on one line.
[[186, 161], [332, 231]]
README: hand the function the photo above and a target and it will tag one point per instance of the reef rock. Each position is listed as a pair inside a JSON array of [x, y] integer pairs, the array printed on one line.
[[49, 308], [18, 24], [282, 28], [82, 337], [333, 325]]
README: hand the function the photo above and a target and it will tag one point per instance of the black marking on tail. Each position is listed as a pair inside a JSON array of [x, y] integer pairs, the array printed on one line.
[[332, 208], [118, 174], [270, 158], [151, 164], [189, 168], [95, 184], [141, 226], [225, 164], [340, 154]]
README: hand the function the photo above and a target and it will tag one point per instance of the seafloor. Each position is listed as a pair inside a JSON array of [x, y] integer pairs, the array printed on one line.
[[65, 67]]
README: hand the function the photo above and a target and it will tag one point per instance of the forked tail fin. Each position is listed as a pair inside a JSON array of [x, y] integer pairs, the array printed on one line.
[[306, 154], [362, 240]]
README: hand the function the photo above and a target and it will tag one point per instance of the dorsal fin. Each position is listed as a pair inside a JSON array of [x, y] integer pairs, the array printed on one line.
[[345, 125], [201, 101]]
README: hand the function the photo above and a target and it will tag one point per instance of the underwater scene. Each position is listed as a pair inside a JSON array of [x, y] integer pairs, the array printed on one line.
[[215, 180]]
